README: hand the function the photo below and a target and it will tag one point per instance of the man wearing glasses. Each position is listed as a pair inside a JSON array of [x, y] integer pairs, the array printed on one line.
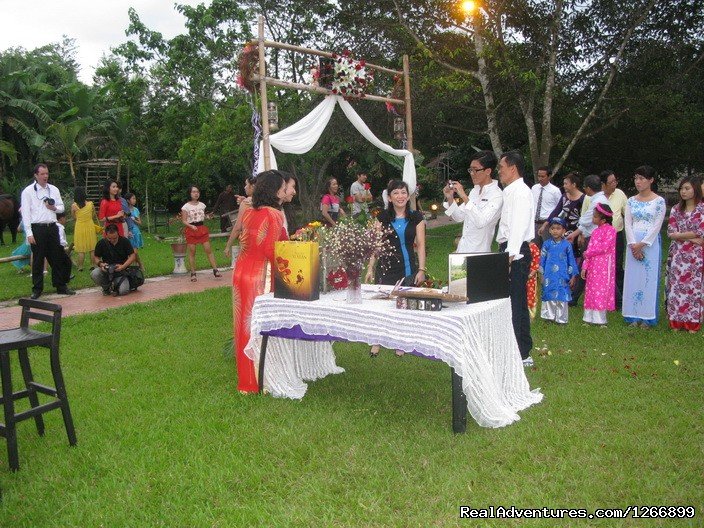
[[481, 209]]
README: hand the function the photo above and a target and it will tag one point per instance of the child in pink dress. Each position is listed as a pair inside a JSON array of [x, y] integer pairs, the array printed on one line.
[[599, 268]]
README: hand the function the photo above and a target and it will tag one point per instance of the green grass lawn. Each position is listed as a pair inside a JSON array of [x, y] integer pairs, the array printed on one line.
[[156, 255], [164, 439]]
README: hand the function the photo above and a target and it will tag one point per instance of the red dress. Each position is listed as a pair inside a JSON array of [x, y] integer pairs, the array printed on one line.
[[532, 284], [111, 208], [260, 229]]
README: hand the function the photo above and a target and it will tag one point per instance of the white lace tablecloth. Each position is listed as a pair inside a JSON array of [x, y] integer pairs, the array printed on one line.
[[475, 339]]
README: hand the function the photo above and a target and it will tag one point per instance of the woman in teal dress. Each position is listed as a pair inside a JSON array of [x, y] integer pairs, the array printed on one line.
[[135, 231]]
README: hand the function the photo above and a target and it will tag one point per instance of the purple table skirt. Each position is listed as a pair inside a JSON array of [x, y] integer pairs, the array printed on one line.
[[297, 333]]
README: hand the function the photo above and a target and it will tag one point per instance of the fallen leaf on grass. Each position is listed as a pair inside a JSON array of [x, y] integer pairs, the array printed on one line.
[[677, 362]]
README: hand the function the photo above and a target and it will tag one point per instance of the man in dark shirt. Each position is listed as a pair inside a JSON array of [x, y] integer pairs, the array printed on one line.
[[113, 254]]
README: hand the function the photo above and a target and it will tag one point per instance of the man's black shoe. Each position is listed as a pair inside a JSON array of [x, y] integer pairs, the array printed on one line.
[[66, 291], [35, 295]]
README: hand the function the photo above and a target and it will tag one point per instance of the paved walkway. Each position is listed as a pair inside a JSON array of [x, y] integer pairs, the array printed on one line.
[[91, 300]]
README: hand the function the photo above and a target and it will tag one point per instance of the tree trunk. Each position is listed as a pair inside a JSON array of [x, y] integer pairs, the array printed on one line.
[[492, 123]]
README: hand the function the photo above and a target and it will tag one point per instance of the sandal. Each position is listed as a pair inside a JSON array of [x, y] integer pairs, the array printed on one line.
[[216, 273], [374, 352], [193, 277]]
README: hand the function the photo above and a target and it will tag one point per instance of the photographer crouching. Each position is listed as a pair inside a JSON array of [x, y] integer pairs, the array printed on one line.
[[113, 257]]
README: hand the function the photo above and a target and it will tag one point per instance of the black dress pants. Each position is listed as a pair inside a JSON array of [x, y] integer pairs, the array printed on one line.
[[620, 254], [520, 318], [46, 245]]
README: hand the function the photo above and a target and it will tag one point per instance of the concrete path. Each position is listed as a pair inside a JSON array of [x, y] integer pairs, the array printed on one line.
[[91, 300]]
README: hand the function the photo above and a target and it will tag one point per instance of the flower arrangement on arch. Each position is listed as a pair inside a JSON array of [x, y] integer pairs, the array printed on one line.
[[247, 63], [350, 77]]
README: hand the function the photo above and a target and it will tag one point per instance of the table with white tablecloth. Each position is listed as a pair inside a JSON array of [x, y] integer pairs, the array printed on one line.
[[475, 340]]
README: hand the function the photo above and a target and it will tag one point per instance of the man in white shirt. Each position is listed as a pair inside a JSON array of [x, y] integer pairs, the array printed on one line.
[[359, 190], [617, 200], [480, 211], [545, 199], [592, 188], [40, 202], [516, 230]]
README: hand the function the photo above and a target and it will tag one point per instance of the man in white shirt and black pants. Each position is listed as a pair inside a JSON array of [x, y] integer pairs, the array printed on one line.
[[40, 203], [545, 198], [516, 230], [480, 211]]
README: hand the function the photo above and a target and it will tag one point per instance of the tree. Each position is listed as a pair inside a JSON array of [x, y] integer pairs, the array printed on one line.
[[535, 55], [21, 118]]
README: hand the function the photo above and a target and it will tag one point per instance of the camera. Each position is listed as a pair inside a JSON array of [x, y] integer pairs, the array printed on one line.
[[49, 201], [451, 184]]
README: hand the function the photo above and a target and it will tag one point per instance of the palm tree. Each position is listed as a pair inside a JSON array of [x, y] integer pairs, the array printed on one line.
[[21, 118]]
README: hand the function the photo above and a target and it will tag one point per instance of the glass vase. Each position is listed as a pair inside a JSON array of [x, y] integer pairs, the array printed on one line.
[[354, 286]]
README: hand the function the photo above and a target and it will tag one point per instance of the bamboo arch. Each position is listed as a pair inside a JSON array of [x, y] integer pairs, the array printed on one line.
[[263, 81]]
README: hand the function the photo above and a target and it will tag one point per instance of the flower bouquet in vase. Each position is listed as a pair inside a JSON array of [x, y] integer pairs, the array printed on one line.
[[350, 245]]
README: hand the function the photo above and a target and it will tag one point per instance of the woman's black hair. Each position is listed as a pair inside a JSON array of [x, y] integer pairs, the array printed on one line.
[[575, 178], [696, 184], [190, 188], [393, 185], [252, 180], [79, 196], [267, 188], [128, 196], [106, 189], [648, 173]]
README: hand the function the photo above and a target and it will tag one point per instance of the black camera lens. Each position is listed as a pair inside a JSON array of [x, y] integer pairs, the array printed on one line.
[[50, 201]]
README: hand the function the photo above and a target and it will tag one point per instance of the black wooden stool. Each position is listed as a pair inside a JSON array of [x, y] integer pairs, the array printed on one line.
[[20, 339]]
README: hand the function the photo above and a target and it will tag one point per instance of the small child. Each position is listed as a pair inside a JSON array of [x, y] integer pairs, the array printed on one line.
[[532, 284], [559, 270], [61, 225], [599, 268]]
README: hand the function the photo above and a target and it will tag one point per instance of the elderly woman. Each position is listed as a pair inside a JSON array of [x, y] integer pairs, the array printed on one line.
[[407, 230]]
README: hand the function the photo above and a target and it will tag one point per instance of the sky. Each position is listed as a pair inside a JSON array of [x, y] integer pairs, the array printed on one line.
[[96, 25]]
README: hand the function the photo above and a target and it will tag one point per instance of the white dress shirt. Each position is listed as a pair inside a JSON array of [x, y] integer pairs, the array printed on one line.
[[34, 211], [480, 215], [586, 221], [551, 195], [517, 223], [62, 235]]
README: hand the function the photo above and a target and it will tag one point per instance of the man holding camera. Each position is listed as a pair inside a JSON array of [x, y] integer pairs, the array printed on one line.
[[112, 256], [481, 209], [41, 201]]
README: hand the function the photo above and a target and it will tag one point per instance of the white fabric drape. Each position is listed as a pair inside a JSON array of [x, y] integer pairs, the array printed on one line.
[[302, 136]]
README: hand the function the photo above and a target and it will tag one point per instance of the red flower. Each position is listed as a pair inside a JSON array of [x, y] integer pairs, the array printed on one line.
[[349, 199], [337, 279], [367, 186]]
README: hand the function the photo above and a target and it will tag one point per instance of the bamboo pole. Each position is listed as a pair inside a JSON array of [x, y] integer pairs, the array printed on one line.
[[407, 99], [291, 47], [262, 94], [321, 90], [13, 258]]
